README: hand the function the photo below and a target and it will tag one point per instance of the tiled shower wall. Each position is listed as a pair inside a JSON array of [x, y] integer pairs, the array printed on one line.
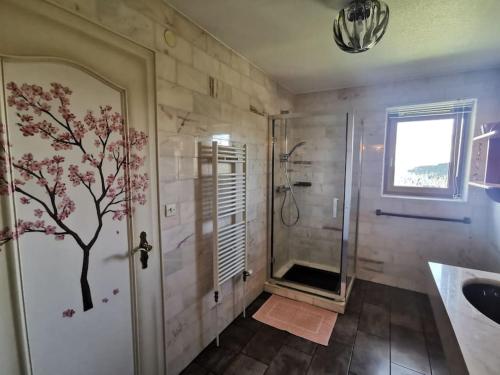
[[187, 115], [317, 237], [395, 251]]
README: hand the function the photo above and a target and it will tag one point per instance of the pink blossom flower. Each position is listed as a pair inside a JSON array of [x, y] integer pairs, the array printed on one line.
[[118, 215], [68, 313], [50, 229], [74, 174], [42, 182], [5, 234], [66, 207], [60, 189]]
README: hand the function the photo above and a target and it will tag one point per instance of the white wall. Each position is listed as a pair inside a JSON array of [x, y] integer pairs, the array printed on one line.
[[395, 251]]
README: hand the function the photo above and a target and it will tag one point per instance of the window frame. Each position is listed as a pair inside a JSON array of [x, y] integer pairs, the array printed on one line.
[[458, 159]]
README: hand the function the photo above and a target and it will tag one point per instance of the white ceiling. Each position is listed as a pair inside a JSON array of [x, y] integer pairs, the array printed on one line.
[[291, 40]]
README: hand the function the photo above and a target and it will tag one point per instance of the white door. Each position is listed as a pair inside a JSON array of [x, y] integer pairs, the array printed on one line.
[[78, 193]]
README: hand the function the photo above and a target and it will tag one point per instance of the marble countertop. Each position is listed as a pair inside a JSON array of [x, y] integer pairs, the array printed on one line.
[[477, 335]]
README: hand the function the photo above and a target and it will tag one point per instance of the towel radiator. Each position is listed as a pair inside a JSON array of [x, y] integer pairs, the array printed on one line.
[[229, 217]]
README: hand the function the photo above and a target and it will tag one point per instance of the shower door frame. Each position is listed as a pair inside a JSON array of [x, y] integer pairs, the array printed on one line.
[[345, 284]]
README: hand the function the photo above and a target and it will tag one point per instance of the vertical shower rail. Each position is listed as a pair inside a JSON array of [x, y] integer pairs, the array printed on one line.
[[229, 217]]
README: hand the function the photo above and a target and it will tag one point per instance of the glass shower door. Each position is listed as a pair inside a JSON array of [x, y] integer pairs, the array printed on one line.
[[311, 155]]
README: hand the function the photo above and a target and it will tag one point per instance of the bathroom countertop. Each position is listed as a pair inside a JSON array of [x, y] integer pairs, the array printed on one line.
[[478, 336]]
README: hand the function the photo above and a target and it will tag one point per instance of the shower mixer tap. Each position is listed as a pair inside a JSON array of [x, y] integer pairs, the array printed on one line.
[[282, 189]]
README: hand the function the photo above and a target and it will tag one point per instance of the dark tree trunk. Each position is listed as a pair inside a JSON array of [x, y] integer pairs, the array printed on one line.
[[86, 293]]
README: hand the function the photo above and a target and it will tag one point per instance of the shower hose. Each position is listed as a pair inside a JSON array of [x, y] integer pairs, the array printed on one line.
[[288, 187]]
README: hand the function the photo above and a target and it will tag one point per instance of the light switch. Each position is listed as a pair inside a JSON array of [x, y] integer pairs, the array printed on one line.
[[170, 210]]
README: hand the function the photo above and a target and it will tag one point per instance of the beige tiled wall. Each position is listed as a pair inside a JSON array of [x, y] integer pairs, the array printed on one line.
[[394, 250], [188, 115]]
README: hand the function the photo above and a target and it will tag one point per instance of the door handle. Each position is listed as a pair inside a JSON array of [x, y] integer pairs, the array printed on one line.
[[145, 248], [335, 207]]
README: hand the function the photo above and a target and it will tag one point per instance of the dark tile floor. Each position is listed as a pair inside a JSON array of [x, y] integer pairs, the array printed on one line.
[[384, 331]]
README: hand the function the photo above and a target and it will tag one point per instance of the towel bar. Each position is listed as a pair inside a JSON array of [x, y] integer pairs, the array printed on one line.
[[465, 220]]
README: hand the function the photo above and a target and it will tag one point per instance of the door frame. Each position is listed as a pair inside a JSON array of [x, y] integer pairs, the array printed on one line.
[[98, 39]]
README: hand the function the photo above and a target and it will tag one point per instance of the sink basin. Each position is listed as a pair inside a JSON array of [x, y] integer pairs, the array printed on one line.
[[484, 297]]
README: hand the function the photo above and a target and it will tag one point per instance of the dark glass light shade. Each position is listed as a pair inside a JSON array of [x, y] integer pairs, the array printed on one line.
[[361, 25]]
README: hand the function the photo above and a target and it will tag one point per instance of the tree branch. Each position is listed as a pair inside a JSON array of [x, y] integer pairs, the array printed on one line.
[[89, 188], [65, 125], [43, 231], [101, 174], [119, 166], [27, 171], [53, 215], [108, 211], [97, 232], [70, 130], [51, 136], [112, 202]]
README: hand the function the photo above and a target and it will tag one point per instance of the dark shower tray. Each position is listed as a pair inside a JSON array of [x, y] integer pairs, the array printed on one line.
[[313, 277]]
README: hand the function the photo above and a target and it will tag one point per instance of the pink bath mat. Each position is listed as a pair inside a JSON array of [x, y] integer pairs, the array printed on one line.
[[299, 318]]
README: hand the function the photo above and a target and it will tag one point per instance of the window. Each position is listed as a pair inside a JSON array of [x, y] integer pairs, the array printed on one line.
[[222, 139], [426, 149]]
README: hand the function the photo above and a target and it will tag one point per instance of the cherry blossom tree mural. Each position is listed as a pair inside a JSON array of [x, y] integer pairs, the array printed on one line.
[[109, 171]]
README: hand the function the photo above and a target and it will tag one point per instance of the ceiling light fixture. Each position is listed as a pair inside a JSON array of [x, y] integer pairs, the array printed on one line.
[[360, 25]]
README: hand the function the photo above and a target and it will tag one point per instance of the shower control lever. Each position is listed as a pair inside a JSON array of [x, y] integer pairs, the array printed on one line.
[[282, 189]]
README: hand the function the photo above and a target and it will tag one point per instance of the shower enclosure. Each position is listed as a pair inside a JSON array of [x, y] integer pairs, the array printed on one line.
[[315, 183]]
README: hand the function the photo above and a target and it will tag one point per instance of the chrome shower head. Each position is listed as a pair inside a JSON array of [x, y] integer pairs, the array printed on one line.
[[296, 147], [286, 156]]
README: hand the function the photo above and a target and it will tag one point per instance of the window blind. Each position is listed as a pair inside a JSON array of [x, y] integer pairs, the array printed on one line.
[[443, 108]]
